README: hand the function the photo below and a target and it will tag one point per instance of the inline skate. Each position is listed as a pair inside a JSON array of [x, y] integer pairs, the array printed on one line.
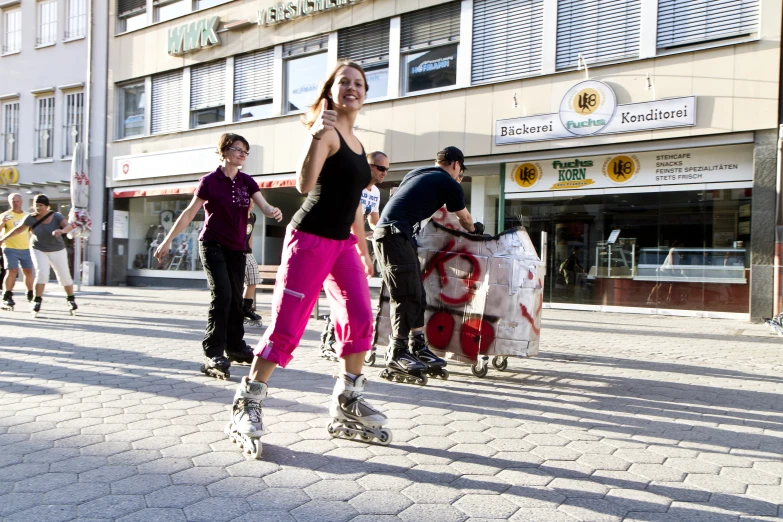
[[37, 301], [436, 367], [244, 355], [247, 419], [401, 366], [30, 297], [216, 367], [251, 317], [352, 415], [327, 341], [8, 302], [72, 307]]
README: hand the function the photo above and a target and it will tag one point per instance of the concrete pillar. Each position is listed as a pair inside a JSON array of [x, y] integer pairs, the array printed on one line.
[[762, 232]]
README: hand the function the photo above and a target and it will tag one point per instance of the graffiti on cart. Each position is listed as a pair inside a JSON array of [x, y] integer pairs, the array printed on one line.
[[438, 264]]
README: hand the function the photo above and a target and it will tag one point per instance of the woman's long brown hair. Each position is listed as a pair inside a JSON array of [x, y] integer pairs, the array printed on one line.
[[315, 109]]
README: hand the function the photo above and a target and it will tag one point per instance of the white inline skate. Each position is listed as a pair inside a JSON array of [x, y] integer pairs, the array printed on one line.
[[247, 420], [352, 415]]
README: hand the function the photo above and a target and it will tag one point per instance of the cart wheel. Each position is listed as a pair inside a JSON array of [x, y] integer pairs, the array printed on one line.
[[479, 370], [500, 363]]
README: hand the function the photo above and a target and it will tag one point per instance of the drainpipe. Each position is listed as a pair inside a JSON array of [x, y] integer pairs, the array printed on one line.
[[777, 297]]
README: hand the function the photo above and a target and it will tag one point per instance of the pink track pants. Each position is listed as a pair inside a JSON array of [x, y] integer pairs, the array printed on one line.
[[309, 263]]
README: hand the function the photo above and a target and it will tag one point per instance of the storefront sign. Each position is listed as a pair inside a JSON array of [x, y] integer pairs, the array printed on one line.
[[162, 164], [590, 108], [288, 11], [8, 176], [652, 168], [194, 36]]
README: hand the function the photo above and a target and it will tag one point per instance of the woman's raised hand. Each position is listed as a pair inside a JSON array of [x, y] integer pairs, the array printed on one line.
[[324, 122], [274, 213]]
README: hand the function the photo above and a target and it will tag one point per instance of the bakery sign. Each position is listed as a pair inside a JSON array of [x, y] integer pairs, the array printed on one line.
[[590, 108], [650, 168]]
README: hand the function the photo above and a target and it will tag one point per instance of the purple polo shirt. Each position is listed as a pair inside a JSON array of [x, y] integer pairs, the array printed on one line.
[[226, 202]]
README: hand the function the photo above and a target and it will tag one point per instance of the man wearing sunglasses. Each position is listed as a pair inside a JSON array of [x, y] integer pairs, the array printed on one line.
[[420, 194], [371, 196]]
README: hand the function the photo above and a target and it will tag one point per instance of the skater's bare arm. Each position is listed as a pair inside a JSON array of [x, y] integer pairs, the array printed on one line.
[[373, 218], [267, 209], [465, 219], [183, 221], [18, 230], [322, 144], [358, 230]]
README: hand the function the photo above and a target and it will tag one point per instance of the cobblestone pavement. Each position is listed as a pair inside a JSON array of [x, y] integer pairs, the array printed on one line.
[[105, 416]]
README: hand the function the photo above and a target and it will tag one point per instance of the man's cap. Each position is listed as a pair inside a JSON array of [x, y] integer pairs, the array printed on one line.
[[450, 154]]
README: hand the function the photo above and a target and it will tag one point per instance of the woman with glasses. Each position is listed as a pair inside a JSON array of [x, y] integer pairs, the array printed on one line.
[[324, 246], [225, 195]]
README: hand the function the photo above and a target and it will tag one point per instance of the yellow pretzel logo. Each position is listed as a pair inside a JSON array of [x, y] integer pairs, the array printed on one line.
[[8, 176]]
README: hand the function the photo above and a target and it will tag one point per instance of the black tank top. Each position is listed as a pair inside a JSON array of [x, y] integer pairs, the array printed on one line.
[[330, 207]]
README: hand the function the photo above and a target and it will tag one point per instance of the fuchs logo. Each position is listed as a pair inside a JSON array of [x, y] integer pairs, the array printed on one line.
[[620, 169], [527, 175], [587, 107]]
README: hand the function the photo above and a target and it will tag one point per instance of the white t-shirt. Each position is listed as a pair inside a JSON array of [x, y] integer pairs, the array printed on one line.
[[371, 200]]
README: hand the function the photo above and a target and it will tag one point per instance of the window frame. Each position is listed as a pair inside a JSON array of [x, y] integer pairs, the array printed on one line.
[[121, 132], [72, 118], [404, 92], [14, 131], [161, 4], [46, 33], [16, 10], [40, 102], [79, 19]]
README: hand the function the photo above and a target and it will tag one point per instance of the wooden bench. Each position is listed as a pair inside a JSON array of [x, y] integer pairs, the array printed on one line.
[[268, 275]]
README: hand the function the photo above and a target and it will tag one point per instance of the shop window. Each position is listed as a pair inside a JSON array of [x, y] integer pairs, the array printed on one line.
[[208, 94], [167, 10], [429, 43], [131, 15], [305, 69], [12, 30], [76, 19], [10, 138], [507, 39], [167, 102], [368, 45], [131, 103], [47, 22], [253, 85], [150, 219], [44, 132], [684, 22], [74, 122], [598, 31]]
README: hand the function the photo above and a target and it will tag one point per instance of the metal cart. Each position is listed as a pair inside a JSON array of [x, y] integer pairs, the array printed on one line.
[[484, 295]]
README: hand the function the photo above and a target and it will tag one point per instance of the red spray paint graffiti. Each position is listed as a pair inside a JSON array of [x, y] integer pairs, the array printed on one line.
[[437, 264]]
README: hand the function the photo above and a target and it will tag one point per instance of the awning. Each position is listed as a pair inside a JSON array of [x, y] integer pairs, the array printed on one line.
[[164, 189]]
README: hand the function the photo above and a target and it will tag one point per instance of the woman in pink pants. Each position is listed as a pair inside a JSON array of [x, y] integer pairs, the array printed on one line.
[[324, 246]]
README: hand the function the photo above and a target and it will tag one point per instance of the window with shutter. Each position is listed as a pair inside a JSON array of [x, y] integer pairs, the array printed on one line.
[[507, 39], [253, 77], [131, 14], [74, 122], [130, 7], [683, 22], [10, 141], [368, 45], [167, 102], [429, 42], [44, 132], [131, 103], [305, 69], [208, 93], [601, 30]]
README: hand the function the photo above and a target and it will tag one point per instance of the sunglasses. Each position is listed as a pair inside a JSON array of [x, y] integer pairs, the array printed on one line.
[[241, 151], [379, 167]]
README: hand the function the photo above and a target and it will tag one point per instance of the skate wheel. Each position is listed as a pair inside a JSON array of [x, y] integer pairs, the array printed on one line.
[[365, 438], [349, 435], [444, 374], [500, 363], [256, 449], [332, 432], [421, 381], [370, 359], [386, 437], [479, 371]]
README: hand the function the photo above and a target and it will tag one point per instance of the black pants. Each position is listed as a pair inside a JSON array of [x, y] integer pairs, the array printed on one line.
[[401, 272], [225, 271]]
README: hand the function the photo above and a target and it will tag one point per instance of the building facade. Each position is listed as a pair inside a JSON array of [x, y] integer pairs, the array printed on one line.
[[52, 77], [634, 139]]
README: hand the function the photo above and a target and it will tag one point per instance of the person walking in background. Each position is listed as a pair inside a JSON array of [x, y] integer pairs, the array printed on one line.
[[420, 194], [324, 245], [225, 195], [16, 252], [252, 277], [47, 248], [569, 269]]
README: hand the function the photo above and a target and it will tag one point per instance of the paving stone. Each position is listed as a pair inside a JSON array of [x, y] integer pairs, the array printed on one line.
[[13, 502], [334, 490], [480, 484], [140, 484], [112, 506], [266, 516], [716, 484], [318, 510], [279, 499], [772, 494], [76, 494], [657, 472], [176, 496], [486, 506], [216, 510], [534, 498], [431, 512], [638, 501], [49, 513], [592, 509], [693, 466], [153, 514], [750, 476]]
